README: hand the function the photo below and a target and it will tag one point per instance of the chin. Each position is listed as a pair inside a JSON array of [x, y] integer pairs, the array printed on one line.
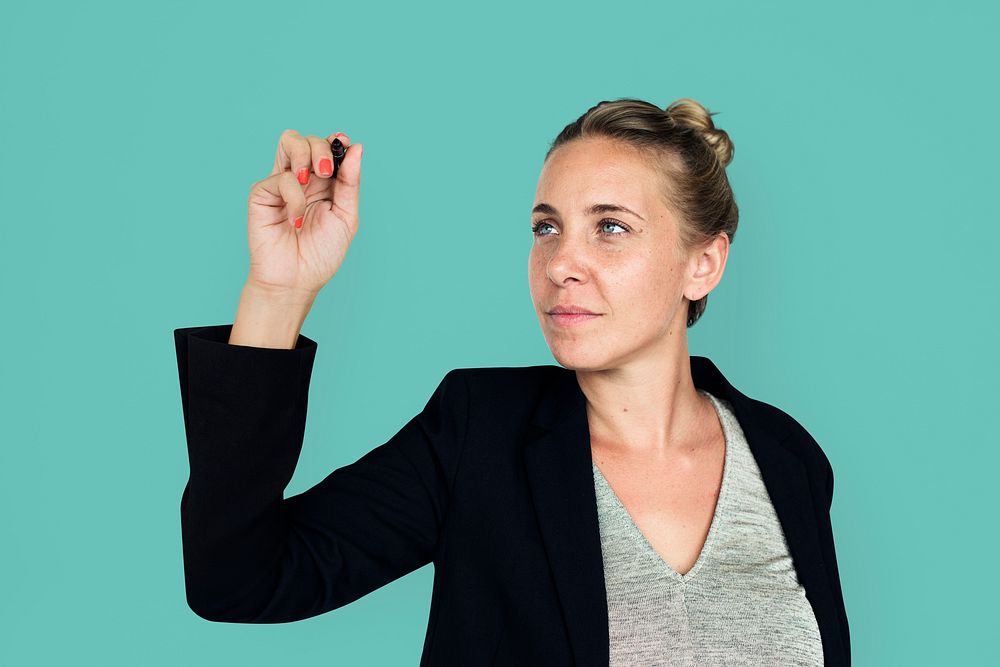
[[580, 357]]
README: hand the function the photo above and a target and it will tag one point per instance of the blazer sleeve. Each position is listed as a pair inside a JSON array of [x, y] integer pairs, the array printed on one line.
[[253, 556]]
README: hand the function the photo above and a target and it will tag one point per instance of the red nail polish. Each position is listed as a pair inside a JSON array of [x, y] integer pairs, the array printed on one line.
[[325, 167], [298, 222], [303, 175]]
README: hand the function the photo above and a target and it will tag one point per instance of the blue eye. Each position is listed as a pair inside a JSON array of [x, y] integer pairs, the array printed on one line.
[[537, 226], [606, 221], [609, 221]]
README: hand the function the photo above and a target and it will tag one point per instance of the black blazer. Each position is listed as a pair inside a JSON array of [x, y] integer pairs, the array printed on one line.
[[491, 481]]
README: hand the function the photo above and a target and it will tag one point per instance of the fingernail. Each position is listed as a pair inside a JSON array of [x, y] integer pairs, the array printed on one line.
[[325, 167], [304, 175], [298, 222]]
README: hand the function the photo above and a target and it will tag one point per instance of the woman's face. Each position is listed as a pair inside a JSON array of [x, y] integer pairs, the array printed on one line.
[[624, 266]]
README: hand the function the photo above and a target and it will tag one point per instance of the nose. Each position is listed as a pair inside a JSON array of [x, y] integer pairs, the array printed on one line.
[[567, 261]]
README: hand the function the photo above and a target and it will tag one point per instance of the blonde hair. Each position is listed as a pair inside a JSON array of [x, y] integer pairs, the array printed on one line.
[[682, 144]]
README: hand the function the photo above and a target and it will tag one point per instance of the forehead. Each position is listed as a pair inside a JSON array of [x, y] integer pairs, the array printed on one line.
[[598, 169]]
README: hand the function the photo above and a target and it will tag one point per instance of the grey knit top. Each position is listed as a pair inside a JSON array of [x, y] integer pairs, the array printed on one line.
[[741, 603]]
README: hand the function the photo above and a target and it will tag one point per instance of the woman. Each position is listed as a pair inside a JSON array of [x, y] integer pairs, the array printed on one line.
[[628, 506]]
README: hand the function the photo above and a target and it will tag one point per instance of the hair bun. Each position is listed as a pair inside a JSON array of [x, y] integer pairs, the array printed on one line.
[[690, 113]]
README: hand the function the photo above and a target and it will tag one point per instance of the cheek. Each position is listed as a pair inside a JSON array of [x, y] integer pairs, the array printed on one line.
[[536, 274], [639, 282], [538, 260], [643, 298]]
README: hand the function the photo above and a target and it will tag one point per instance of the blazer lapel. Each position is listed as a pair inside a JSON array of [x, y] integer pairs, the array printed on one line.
[[558, 460]]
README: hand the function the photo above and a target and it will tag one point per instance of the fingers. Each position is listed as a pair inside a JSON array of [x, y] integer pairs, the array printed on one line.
[[298, 158], [305, 155], [322, 156], [285, 188], [293, 153]]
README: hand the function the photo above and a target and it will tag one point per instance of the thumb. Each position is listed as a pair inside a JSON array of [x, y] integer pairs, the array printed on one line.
[[346, 187]]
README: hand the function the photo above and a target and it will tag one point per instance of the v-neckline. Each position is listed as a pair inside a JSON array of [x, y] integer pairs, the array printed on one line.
[[716, 514]]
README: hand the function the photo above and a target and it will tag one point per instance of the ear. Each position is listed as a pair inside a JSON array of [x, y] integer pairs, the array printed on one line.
[[709, 263]]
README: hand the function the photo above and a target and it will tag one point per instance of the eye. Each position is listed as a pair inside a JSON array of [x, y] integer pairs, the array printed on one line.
[[609, 221], [537, 226], [606, 221]]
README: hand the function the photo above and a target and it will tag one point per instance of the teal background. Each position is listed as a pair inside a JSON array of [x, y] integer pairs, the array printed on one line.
[[860, 294]]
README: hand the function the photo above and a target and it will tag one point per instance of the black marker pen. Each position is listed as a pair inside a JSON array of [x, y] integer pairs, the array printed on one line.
[[338, 154]]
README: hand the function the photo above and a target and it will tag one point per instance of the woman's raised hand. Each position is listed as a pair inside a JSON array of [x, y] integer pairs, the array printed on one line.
[[290, 259]]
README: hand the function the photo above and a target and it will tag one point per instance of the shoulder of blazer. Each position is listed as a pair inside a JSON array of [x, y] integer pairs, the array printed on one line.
[[504, 395], [507, 385], [507, 374], [797, 437]]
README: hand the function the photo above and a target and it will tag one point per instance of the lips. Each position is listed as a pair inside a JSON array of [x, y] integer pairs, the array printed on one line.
[[572, 319], [571, 310]]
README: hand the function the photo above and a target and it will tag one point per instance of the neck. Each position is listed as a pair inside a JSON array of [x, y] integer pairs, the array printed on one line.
[[650, 410]]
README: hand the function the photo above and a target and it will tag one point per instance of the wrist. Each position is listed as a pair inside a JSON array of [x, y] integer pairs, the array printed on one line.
[[283, 296], [269, 318]]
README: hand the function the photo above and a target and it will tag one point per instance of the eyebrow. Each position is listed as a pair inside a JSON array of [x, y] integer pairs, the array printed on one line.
[[596, 209]]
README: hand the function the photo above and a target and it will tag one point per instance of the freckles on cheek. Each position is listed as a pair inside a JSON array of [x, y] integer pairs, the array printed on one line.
[[642, 287]]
